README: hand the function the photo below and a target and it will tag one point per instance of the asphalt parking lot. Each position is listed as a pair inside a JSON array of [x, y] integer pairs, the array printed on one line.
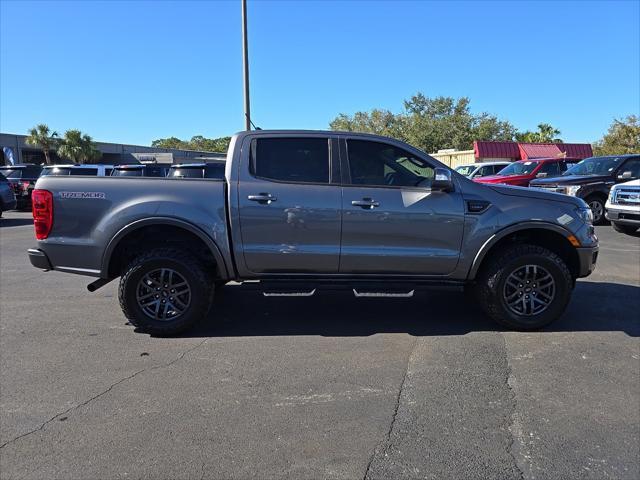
[[328, 387]]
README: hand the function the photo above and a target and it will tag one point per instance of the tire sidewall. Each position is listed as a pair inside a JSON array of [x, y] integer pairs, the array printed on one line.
[[553, 311], [190, 315]]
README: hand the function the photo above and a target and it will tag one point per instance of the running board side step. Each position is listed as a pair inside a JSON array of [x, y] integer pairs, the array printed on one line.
[[290, 294], [383, 294]]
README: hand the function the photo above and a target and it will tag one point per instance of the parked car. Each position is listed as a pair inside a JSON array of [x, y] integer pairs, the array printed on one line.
[[198, 170], [477, 170], [141, 170], [301, 211], [522, 172], [591, 180], [98, 170], [623, 207], [22, 178], [7, 197]]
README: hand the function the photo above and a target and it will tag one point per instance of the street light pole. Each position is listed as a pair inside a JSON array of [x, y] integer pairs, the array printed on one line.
[[245, 67]]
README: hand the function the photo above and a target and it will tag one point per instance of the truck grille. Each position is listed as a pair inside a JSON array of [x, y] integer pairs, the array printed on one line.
[[626, 196]]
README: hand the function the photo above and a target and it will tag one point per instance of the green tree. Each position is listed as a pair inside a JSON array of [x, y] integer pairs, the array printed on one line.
[[41, 136], [545, 134], [197, 142], [430, 123], [622, 137], [78, 147], [171, 142]]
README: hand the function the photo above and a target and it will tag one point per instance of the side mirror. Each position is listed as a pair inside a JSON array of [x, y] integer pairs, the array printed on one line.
[[442, 180], [541, 175], [625, 175]]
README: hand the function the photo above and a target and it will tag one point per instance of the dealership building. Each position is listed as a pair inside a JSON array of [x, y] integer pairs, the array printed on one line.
[[15, 147], [511, 152]]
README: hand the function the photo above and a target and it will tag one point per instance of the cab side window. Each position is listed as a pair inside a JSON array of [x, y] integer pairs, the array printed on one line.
[[485, 171], [380, 164], [550, 168], [632, 165], [293, 160]]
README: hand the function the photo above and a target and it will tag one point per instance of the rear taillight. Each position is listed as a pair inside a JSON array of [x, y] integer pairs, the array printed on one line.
[[42, 207]]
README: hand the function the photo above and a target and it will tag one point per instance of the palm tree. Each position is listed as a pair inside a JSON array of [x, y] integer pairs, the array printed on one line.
[[548, 134], [78, 147], [43, 137]]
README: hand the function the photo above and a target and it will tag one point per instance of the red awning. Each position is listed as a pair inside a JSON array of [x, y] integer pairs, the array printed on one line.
[[524, 151], [496, 150], [539, 150], [550, 150]]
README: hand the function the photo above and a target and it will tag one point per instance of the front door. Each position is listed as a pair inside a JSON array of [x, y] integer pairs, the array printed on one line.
[[290, 212], [392, 222]]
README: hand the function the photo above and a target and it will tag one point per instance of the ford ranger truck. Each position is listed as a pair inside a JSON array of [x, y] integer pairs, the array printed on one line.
[[301, 211]]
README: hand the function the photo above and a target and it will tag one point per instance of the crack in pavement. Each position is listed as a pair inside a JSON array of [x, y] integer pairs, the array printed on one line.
[[387, 441], [514, 427], [104, 392]]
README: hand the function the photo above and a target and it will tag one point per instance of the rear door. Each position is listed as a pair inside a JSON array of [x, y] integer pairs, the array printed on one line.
[[392, 222], [289, 205]]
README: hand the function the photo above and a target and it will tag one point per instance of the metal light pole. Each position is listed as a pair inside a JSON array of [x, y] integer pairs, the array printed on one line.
[[245, 68]]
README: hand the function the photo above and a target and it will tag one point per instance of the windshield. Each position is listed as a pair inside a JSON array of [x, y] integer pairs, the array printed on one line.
[[518, 168], [12, 172], [595, 166], [465, 170], [190, 172]]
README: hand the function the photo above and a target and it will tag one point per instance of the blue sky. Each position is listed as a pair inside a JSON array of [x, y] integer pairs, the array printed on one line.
[[134, 71]]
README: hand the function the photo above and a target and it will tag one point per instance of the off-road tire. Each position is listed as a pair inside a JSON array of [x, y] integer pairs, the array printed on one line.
[[492, 276], [596, 198], [622, 228], [188, 267]]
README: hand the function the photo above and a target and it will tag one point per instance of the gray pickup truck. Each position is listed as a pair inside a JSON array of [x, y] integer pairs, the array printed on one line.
[[303, 211]]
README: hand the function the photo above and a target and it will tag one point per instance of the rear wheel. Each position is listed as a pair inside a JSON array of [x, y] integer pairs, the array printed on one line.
[[628, 229], [596, 204], [165, 292], [524, 288]]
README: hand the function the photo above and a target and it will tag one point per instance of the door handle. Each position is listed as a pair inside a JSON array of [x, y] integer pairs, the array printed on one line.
[[367, 203], [262, 198]]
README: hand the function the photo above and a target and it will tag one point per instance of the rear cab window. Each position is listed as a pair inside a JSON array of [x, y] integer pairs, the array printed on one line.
[[186, 172], [55, 171], [291, 160], [127, 172], [83, 171]]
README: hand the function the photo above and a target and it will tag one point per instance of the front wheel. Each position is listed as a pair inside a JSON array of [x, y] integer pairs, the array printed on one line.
[[524, 288], [596, 204], [165, 292], [622, 228]]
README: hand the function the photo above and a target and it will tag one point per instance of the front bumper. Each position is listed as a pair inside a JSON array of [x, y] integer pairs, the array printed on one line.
[[39, 259], [623, 216], [587, 258]]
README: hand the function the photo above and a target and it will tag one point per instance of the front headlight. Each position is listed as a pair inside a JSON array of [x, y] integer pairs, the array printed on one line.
[[585, 214], [572, 190]]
